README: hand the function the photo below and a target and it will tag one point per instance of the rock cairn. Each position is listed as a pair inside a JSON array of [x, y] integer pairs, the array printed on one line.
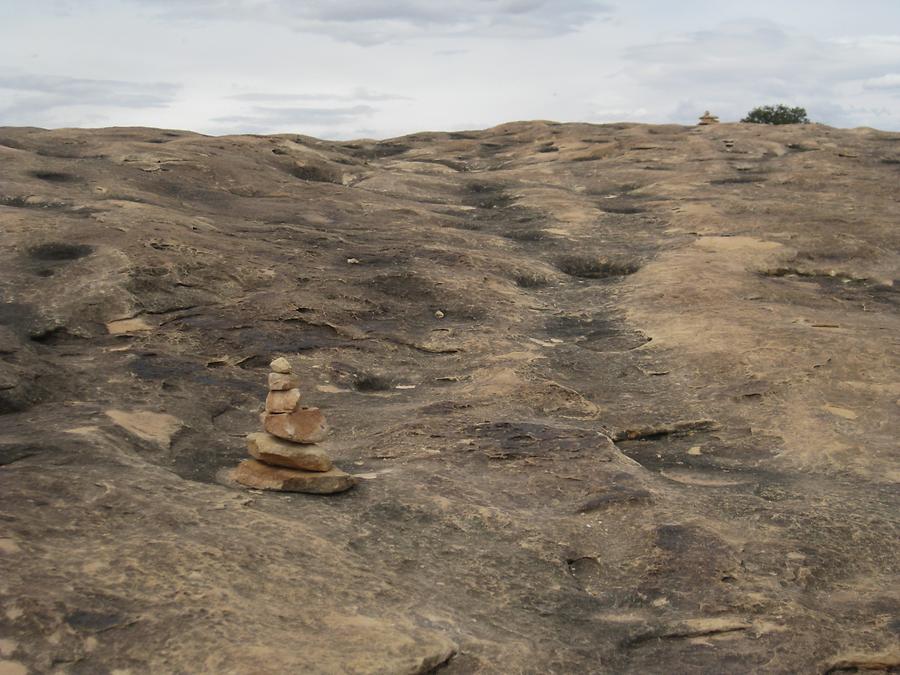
[[285, 456]]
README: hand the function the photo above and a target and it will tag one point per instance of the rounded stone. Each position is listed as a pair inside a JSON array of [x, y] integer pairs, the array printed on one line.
[[280, 365], [303, 425]]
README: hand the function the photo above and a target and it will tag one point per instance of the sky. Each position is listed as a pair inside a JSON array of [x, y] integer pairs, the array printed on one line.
[[342, 69]]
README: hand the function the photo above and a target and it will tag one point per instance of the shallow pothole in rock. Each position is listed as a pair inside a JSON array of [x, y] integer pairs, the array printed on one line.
[[59, 251], [56, 336], [55, 176], [521, 440], [315, 173], [622, 208], [738, 180], [586, 571], [487, 196], [370, 382], [32, 202], [528, 279], [527, 235], [595, 333], [594, 267]]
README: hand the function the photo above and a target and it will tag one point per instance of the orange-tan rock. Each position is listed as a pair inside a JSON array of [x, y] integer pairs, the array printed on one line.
[[280, 365], [303, 425], [284, 455], [261, 476], [282, 401], [277, 452], [283, 381]]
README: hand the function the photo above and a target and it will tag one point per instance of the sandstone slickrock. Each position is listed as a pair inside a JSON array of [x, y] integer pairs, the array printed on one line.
[[302, 425], [255, 474], [275, 451], [282, 401], [595, 280]]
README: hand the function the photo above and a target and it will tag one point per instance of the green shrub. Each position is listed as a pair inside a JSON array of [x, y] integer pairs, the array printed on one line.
[[776, 114]]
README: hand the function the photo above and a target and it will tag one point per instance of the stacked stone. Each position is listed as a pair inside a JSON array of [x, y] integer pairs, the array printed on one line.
[[285, 456]]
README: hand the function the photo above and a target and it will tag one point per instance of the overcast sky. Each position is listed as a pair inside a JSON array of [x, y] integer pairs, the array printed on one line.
[[381, 68]]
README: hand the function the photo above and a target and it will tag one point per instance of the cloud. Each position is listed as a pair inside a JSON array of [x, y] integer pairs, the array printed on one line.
[[742, 64], [358, 94], [888, 82], [86, 92], [747, 52], [31, 99], [372, 22], [266, 119]]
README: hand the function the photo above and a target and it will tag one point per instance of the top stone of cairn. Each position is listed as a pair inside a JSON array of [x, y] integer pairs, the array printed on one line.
[[280, 365]]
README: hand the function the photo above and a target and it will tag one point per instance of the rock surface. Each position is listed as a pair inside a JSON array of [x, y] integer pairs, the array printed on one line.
[[282, 401], [303, 425], [719, 299], [271, 450], [283, 381], [254, 474], [280, 365]]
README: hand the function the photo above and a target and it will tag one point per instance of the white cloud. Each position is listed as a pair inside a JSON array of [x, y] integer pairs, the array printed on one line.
[[30, 99], [741, 64], [889, 81], [371, 22], [388, 67], [262, 119], [358, 94]]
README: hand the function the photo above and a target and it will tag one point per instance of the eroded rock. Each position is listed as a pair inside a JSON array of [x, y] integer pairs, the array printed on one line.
[[303, 425], [283, 381], [280, 365], [282, 401], [619, 289], [158, 428], [277, 452], [255, 474]]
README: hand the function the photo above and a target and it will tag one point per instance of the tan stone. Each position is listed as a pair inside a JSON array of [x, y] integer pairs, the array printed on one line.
[[157, 428], [304, 425], [274, 451], [282, 401], [280, 365], [125, 326], [283, 381], [261, 476]]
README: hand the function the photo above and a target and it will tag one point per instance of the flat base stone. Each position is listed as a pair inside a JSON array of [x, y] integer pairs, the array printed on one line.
[[261, 476], [274, 451]]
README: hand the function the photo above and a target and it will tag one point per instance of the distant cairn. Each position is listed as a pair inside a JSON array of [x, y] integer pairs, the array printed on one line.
[[285, 456]]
